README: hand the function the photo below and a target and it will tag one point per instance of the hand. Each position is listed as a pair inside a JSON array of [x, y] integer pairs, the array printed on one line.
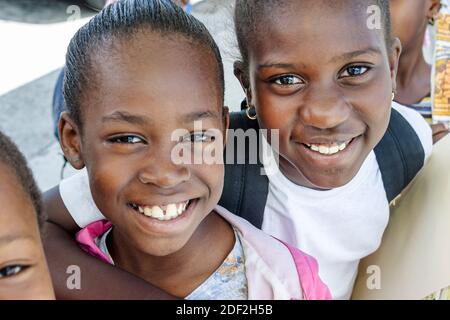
[[440, 130]]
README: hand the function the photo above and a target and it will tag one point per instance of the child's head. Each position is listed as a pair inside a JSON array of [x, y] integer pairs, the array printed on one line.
[[410, 19], [136, 73], [323, 73], [23, 268]]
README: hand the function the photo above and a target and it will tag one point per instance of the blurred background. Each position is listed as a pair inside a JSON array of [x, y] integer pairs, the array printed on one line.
[[33, 39]]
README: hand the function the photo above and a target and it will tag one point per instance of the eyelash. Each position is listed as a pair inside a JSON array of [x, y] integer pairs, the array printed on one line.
[[10, 271], [291, 78], [287, 76], [125, 139], [188, 138], [346, 69]]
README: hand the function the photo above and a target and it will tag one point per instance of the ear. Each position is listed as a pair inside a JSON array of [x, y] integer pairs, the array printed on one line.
[[241, 74], [226, 124], [394, 57], [70, 140], [433, 8]]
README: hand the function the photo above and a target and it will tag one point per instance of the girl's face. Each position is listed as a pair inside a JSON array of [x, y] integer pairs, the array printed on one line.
[[410, 18], [23, 269], [325, 80], [147, 89]]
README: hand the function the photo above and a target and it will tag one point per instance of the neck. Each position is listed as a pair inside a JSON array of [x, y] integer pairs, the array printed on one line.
[[183, 271], [413, 77]]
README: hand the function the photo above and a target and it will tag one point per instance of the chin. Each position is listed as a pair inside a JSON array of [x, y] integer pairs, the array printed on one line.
[[163, 248], [331, 181]]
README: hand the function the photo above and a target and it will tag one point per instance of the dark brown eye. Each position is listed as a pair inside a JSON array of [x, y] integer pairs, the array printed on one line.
[[287, 80], [126, 139], [10, 271], [199, 137], [354, 71]]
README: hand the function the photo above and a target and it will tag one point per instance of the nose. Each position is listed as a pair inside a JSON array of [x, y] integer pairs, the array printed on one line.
[[324, 108], [163, 173]]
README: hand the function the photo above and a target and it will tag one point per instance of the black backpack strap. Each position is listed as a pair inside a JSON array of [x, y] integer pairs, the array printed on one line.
[[400, 155], [245, 188]]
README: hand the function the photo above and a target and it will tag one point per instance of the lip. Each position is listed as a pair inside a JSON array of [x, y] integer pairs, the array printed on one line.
[[328, 161], [155, 226], [328, 140]]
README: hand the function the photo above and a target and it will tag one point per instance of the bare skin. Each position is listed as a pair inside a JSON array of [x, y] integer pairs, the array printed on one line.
[[23, 268], [125, 144], [409, 23], [328, 91]]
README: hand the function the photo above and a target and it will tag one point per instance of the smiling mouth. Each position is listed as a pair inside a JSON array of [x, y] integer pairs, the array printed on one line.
[[163, 212], [329, 148]]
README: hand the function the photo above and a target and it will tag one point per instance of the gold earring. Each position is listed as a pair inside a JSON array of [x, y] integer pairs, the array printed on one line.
[[393, 95], [247, 111]]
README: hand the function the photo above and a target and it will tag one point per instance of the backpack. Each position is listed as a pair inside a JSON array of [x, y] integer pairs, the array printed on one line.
[[400, 156]]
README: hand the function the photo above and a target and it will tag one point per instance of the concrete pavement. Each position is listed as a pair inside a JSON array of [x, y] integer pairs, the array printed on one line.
[[33, 39]]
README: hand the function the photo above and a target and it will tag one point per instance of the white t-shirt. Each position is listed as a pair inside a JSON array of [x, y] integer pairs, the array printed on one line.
[[337, 227]]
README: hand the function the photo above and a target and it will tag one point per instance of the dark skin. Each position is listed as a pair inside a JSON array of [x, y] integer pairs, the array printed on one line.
[[24, 272], [409, 23], [321, 92], [126, 147], [370, 102]]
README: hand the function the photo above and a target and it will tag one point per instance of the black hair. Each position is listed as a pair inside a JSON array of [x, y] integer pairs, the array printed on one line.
[[11, 157], [124, 19], [249, 13]]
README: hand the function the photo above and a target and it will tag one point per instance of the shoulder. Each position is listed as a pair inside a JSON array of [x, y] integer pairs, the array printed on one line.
[[289, 271], [420, 126], [76, 195]]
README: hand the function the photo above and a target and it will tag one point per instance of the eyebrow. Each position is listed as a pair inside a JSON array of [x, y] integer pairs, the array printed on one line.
[[277, 65], [345, 56], [124, 116], [199, 115], [13, 238], [353, 54]]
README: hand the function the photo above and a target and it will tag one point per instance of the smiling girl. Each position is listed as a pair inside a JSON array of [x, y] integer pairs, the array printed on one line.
[[315, 71], [149, 216]]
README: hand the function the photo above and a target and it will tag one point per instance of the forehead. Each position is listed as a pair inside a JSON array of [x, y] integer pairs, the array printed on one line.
[[159, 73], [17, 214], [315, 31]]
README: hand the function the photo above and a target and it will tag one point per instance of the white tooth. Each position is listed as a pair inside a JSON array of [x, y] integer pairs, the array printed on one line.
[[141, 210], [334, 149], [171, 211], [148, 211], [314, 148], [324, 150], [342, 146], [157, 212], [179, 209]]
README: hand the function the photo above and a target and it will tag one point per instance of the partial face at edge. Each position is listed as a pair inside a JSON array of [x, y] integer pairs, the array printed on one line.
[[410, 18], [23, 268]]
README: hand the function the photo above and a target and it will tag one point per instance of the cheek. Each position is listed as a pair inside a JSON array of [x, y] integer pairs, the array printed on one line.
[[107, 182], [213, 177], [276, 113], [376, 98]]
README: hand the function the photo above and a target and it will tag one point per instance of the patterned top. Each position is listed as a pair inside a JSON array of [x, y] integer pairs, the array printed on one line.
[[424, 108], [228, 282]]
